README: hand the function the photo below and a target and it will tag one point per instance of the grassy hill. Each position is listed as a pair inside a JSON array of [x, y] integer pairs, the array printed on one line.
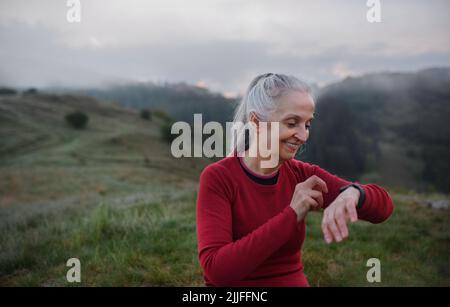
[[112, 196], [62, 188], [389, 128]]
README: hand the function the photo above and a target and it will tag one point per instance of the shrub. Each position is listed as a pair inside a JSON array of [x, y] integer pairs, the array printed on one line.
[[7, 91], [77, 120], [166, 126], [31, 91], [146, 114], [166, 131]]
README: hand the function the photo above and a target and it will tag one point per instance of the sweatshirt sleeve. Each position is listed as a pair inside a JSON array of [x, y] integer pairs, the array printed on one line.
[[223, 260], [377, 206]]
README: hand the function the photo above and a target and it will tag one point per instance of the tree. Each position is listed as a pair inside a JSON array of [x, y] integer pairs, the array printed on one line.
[[146, 114], [77, 119], [7, 91], [31, 91]]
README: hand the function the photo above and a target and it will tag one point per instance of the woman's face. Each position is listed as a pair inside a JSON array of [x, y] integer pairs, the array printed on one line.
[[295, 113]]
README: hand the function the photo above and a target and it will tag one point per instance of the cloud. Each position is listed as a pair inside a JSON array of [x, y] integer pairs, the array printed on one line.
[[222, 43], [341, 70]]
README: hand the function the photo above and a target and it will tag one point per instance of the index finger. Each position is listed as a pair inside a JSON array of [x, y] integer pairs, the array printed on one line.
[[314, 180]]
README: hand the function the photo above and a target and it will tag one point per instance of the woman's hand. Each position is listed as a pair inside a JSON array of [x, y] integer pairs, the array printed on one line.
[[338, 213], [308, 196]]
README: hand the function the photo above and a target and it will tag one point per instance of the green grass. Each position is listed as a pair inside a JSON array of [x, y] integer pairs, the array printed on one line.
[[110, 195], [148, 244], [412, 246], [154, 244]]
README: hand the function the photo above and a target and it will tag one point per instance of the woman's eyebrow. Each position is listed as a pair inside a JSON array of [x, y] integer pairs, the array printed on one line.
[[289, 116]]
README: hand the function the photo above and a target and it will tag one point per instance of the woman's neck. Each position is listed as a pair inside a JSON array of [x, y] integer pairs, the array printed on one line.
[[254, 164]]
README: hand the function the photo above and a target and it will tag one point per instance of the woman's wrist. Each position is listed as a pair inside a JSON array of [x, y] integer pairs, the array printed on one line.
[[352, 193], [300, 211], [359, 194]]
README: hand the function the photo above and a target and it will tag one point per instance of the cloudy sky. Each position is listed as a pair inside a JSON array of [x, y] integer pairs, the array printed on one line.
[[220, 44]]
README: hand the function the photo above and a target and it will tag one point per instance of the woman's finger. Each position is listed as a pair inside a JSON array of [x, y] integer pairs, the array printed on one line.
[[315, 181], [316, 195], [313, 204], [331, 224], [340, 221], [326, 232], [335, 231], [352, 213]]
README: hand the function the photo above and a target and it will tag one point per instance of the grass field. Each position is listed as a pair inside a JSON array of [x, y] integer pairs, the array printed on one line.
[[113, 197]]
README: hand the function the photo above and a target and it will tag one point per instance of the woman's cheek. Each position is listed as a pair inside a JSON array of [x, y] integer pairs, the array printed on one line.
[[284, 134]]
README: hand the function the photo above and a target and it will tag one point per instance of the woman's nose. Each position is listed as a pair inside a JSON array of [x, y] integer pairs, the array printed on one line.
[[301, 134]]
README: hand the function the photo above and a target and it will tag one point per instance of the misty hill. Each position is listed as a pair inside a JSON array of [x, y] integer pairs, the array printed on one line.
[[180, 100], [389, 127]]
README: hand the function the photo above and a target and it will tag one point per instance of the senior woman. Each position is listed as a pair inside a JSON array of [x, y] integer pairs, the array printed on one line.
[[251, 219]]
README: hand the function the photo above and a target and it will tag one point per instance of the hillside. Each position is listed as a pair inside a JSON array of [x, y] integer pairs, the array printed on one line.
[[35, 138], [390, 128], [180, 100], [58, 184]]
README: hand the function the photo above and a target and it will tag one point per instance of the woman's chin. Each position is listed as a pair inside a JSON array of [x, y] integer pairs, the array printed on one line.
[[285, 155]]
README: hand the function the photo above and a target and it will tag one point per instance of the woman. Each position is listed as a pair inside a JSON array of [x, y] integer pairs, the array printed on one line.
[[250, 219]]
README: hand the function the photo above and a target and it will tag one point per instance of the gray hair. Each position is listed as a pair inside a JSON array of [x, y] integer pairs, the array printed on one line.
[[260, 98]]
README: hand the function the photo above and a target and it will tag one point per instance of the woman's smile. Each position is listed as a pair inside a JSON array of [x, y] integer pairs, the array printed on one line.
[[291, 146]]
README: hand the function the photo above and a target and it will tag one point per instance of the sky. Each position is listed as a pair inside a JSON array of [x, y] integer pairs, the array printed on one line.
[[219, 44]]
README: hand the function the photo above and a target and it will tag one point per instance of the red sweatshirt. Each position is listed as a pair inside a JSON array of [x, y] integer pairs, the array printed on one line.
[[248, 234]]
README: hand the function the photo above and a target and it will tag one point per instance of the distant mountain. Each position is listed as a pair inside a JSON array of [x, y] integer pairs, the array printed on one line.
[[180, 100], [386, 127], [389, 128]]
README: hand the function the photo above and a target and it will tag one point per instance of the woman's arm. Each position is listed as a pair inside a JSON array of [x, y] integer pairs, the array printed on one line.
[[341, 208], [223, 260], [377, 206]]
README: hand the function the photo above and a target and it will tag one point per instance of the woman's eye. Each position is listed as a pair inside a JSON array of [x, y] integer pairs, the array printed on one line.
[[294, 125], [291, 125]]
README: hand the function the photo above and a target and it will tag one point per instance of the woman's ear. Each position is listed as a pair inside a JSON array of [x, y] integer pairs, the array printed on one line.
[[254, 120]]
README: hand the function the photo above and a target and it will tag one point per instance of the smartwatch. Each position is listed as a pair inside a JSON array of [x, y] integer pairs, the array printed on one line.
[[362, 194]]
